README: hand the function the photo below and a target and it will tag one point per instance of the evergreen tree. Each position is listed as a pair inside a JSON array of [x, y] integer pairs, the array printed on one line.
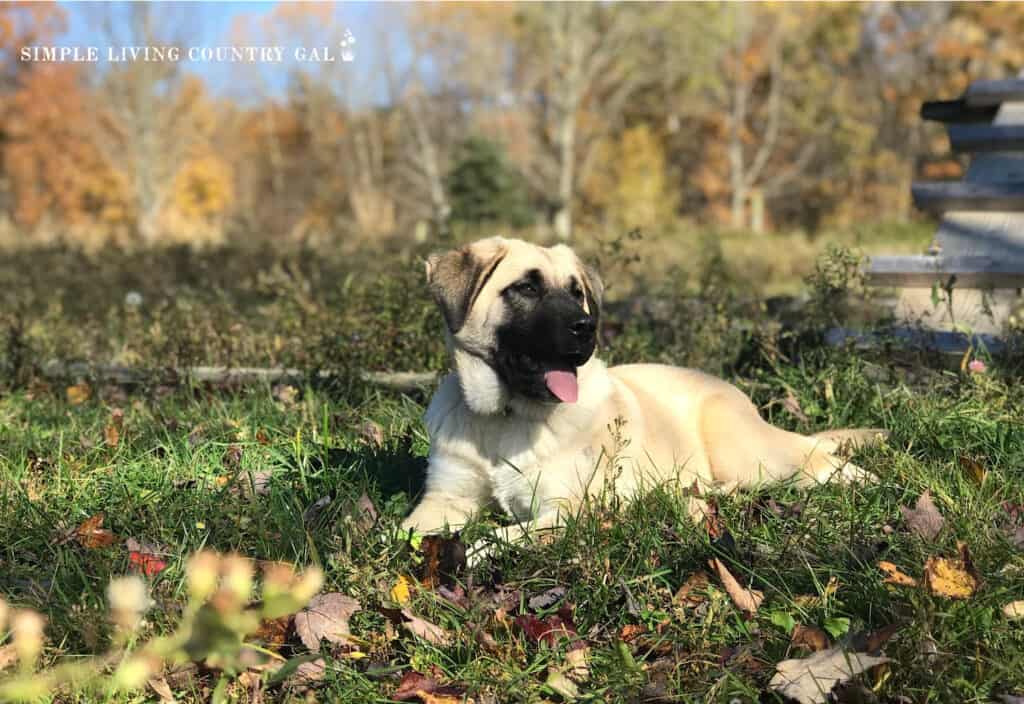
[[484, 187]]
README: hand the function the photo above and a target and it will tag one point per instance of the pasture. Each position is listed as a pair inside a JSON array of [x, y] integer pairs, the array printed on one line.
[[319, 471]]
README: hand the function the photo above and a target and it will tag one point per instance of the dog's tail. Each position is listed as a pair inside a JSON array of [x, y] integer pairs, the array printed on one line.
[[848, 440]]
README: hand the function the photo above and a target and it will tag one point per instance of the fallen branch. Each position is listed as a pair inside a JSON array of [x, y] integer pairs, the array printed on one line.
[[397, 381]]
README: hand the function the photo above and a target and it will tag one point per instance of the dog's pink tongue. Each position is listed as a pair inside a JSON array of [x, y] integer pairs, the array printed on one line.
[[563, 385]]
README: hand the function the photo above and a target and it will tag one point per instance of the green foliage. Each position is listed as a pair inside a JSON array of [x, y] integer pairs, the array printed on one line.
[[485, 188]]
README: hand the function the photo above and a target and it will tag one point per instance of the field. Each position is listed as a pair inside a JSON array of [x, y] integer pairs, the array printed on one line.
[[320, 472]]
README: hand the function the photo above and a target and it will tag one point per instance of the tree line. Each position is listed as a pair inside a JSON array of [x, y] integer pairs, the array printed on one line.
[[565, 116]]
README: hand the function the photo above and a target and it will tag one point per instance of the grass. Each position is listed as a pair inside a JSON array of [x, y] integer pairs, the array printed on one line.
[[184, 471], [171, 479]]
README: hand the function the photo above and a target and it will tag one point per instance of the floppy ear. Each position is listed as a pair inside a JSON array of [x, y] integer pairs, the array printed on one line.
[[455, 279], [593, 289]]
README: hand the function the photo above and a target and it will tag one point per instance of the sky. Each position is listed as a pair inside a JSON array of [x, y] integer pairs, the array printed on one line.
[[208, 25]]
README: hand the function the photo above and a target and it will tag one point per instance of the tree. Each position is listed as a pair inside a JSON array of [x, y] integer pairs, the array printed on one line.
[[148, 117], [485, 188], [580, 63]]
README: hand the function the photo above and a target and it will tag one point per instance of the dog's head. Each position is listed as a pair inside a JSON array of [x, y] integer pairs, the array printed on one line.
[[521, 319]]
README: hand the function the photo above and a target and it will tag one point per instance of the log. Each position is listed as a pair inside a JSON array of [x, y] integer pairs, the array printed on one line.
[[944, 196], [967, 271], [396, 381]]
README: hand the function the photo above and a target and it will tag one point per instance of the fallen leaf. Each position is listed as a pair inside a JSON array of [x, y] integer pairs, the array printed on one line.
[[1013, 611], [630, 632], [949, 577], [874, 641], [747, 600], [273, 632], [974, 469], [286, 394], [365, 514], [689, 593], [400, 593], [79, 393], [232, 457], [415, 685], [261, 437], [443, 560], [430, 632], [372, 434], [315, 509], [162, 689], [809, 680], [809, 638], [196, 435], [924, 519], [792, 406], [325, 618], [546, 599], [550, 629], [112, 433], [145, 557], [893, 575], [308, 673], [252, 483], [92, 535]]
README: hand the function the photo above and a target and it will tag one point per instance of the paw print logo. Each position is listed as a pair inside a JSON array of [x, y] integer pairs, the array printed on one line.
[[347, 45]]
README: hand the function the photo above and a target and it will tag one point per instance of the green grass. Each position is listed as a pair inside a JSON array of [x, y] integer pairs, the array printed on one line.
[[159, 486]]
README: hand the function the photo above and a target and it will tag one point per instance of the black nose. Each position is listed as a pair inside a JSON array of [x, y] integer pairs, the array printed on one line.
[[583, 328]]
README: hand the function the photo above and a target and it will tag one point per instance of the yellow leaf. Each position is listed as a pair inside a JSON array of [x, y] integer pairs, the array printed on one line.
[[79, 393], [400, 592], [893, 575], [949, 578]]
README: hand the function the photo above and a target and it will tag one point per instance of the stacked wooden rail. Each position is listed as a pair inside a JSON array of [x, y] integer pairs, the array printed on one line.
[[978, 253]]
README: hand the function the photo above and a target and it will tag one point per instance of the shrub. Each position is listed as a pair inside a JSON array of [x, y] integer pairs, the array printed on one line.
[[484, 187]]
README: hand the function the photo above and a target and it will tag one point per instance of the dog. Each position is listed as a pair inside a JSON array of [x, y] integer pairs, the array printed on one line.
[[530, 419]]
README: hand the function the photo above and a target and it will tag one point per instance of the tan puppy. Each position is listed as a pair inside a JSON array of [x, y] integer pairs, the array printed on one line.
[[532, 420]]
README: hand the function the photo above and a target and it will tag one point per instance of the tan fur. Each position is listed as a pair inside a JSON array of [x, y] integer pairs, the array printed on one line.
[[541, 461]]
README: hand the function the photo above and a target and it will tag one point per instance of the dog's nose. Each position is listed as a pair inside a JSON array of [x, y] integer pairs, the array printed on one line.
[[583, 328]]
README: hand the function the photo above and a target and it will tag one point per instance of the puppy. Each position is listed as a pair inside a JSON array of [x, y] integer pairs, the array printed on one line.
[[532, 420]]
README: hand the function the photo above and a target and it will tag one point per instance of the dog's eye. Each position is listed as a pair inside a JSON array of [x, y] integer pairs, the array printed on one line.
[[575, 291], [526, 288]]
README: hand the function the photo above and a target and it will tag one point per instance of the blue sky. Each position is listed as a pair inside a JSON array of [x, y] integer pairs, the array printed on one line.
[[209, 24]]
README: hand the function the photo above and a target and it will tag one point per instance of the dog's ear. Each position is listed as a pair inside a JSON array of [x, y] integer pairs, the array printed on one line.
[[593, 289], [456, 278]]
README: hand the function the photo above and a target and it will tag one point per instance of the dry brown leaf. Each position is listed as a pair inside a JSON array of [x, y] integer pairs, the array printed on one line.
[[893, 575], [308, 673], [949, 577], [8, 656], [689, 594], [372, 434], [325, 618], [792, 406], [1013, 611], [974, 469], [273, 633], [443, 560], [79, 393], [430, 632], [924, 519], [162, 689], [111, 435], [92, 535], [747, 600], [415, 685], [809, 637], [809, 680], [285, 394]]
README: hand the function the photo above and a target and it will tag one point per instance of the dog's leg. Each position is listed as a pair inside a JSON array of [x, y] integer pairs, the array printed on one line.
[[455, 491]]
